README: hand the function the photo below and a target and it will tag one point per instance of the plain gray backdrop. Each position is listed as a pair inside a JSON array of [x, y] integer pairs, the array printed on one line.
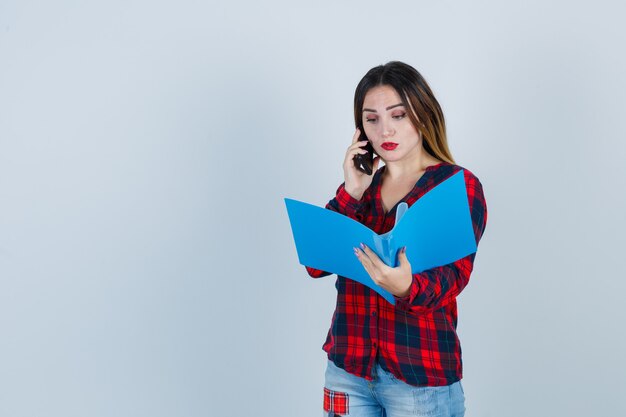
[[147, 265]]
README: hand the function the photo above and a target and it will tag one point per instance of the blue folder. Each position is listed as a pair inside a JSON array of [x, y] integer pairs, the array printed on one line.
[[436, 230]]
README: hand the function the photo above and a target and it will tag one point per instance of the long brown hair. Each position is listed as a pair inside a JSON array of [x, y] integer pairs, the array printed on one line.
[[425, 112]]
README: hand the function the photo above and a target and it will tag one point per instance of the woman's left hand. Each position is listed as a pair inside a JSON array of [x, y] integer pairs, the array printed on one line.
[[395, 280]]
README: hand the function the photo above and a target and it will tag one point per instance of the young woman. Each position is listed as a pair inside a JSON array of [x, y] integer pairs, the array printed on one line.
[[402, 359]]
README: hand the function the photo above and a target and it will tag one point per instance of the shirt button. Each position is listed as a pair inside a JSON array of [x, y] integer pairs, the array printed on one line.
[[374, 313], [374, 345]]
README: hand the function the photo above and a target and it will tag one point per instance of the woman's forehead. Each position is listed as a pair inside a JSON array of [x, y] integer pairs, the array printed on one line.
[[382, 96]]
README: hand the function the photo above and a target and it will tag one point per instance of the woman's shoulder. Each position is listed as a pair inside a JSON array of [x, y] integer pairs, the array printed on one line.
[[473, 185], [447, 169]]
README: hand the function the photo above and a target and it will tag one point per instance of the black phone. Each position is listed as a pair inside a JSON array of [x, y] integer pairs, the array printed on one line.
[[364, 162]]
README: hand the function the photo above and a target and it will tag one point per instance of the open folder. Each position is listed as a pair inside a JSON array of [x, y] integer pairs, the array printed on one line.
[[436, 230]]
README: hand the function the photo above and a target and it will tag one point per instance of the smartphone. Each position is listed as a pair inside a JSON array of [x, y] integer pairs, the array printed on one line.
[[364, 162]]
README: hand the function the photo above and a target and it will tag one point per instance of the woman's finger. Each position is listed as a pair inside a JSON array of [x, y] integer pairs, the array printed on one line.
[[359, 144], [367, 264], [357, 133], [363, 257], [371, 256], [358, 150]]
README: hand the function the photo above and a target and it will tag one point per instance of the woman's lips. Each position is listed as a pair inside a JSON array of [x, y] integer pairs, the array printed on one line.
[[389, 146]]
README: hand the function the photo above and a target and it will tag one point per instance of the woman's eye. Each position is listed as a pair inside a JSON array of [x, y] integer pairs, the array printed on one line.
[[398, 116]]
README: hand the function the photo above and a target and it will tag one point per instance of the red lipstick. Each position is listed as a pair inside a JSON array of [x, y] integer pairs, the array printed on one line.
[[389, 146]]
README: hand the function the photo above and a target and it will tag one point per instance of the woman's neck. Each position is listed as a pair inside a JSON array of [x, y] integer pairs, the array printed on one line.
[[397, 171]]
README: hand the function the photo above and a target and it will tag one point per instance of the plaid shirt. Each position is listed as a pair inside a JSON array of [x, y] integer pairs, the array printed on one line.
[[416, 339]]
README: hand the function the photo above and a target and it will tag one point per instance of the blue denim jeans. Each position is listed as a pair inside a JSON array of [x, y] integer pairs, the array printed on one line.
[[388, 396]]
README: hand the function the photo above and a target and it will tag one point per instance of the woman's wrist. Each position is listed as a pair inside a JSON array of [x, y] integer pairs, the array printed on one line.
[[404, 294], [407, 291], [355, 194]]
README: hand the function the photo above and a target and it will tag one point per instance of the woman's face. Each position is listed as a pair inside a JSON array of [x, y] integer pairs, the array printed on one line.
[[387, 123]]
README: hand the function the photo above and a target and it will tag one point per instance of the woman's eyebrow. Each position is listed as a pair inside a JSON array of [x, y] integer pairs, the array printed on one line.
[[390, 107]]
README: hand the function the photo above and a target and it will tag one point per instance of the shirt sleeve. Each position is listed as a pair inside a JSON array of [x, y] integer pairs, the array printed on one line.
[[434, 288], [347, 205]]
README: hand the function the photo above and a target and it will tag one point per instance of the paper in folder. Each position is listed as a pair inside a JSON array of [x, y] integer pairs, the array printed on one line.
[[436, 230]]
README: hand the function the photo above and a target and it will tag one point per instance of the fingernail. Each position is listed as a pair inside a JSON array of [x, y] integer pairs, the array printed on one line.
[[362, 245]]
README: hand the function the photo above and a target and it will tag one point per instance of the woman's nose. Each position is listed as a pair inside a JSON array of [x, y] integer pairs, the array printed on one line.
[[387, 130]]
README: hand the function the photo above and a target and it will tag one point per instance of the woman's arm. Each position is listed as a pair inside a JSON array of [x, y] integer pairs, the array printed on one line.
[[347, 205], [358, 183], [434, 288]]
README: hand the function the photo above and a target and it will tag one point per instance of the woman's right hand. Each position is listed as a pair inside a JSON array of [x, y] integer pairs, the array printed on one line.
[[356, 182]]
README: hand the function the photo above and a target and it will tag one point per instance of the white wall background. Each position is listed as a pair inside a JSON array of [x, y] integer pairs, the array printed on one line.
[[147, 266]]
